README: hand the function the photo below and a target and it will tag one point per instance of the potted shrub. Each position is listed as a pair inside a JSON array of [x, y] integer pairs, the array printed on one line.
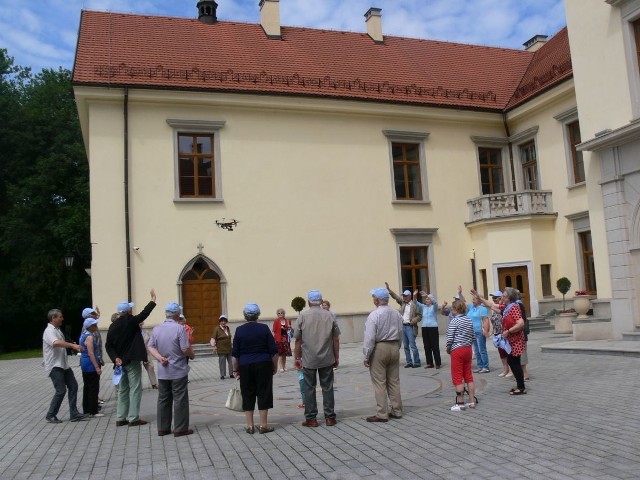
[[298, 304], [581, 303], [563, 285]]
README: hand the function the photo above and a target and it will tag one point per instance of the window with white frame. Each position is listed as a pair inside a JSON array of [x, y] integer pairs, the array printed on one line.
[[572, 137], [526, 159], [584, 252], [197, 159], [630, 13], [492, 164], [408, 166], [415, 258]]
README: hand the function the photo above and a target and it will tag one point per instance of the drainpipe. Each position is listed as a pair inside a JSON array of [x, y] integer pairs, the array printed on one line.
[[510, 148], [126, 190]]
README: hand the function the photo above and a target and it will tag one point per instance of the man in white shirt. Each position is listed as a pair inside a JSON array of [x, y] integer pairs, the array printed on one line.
[[56, 367], [381, 348]]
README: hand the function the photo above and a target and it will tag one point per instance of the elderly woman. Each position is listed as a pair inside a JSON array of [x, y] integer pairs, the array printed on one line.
[[513, 331], [496, 325], [221, 344], [254, 360], [429, 326], [479, 316], [91, 366], [281, 334], [460, 337]]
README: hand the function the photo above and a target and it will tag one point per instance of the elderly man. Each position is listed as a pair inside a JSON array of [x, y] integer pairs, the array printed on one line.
[[317, 350], [125, 346], [382, 332], [169, 344], [411, 317], [56, 367]]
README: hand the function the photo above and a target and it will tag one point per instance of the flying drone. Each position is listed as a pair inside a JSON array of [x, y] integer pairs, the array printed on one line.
[[227, 225]]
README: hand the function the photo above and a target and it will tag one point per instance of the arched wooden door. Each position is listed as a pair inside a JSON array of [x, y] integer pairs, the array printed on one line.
[[516, 277], [201, 300]]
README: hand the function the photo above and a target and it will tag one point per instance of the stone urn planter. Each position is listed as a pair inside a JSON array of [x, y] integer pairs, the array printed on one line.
[[582, 304], [563, 323]]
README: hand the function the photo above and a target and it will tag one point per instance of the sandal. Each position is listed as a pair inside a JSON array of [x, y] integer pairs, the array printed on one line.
[[250, 430], [266, 429], [470, 404], [460, 405], [517, 391]]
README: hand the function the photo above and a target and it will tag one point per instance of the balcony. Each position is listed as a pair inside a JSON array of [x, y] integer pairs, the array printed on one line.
[[510, 205]]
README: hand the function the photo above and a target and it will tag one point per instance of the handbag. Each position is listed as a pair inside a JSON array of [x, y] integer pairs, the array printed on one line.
[[234, 399]]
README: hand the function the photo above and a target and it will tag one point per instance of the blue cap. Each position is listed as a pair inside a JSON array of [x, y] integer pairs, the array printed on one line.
[[89, 322], [124, 307], [496, 293], [117, 375], [381, 293], [172, 307], [88, 311], [406, 292], [314, 296], [251, 309]]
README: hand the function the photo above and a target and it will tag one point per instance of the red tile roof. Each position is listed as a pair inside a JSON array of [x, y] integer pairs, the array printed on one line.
[[177, 53], [550, 65]]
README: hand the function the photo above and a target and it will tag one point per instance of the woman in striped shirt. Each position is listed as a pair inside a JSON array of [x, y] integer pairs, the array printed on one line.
[[460, 338]]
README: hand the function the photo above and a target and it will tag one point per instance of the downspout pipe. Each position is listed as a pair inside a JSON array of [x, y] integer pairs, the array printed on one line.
[[126, 190], [510, 149]]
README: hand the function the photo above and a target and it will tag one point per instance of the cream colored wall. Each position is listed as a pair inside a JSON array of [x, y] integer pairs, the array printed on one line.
[[310, 183], [597, 51], [312, 193]]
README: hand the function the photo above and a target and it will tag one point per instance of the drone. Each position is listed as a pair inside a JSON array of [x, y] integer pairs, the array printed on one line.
[[227, 225]]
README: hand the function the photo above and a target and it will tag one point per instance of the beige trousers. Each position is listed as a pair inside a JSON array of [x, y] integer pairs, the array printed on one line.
[[385, 377]]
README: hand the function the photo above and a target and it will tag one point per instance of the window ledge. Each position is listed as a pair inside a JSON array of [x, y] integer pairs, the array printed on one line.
[[576, 185], [411, 202], [198, 200]]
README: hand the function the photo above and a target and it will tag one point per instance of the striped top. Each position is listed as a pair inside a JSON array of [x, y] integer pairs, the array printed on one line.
[[460, 332]]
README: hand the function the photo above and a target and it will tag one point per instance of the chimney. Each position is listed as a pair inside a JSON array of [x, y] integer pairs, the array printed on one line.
[[373, 19], [535, 42], [270, 18], [207, 11]]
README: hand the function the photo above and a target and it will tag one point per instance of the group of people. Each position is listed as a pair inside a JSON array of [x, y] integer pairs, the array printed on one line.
[[255, 353]]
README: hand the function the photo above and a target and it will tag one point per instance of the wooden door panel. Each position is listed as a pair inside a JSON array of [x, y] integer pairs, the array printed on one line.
[[201, 301], [516, 277]]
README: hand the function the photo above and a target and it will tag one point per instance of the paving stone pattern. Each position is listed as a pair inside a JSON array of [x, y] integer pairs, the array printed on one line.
[[578, 421]]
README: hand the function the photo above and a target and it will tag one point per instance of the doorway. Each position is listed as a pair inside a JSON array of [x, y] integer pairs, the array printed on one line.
[[516, 277], [201, 300]]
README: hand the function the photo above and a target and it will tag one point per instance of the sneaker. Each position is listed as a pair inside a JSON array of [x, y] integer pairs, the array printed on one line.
[[477, 370], [457, 407], [53, 419], [484, 370], [408, 365]]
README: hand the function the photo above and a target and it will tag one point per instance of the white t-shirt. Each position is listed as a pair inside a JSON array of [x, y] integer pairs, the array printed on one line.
[[53, 356]]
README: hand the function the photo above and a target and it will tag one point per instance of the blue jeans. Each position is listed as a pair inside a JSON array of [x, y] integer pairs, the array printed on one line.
[[130, 392], [63, 380], [480, 349], [325, 374], [409, 340]]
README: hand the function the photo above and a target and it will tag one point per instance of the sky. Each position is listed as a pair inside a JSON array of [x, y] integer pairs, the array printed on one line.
[[42, 33]]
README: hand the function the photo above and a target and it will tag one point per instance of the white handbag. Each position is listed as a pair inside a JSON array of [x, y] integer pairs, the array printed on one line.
[[234, 400]]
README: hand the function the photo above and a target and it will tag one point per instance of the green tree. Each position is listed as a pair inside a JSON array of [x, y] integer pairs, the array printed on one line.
[[44, 199]]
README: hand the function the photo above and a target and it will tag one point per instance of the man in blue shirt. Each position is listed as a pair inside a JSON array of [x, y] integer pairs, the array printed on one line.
[[169, 345]]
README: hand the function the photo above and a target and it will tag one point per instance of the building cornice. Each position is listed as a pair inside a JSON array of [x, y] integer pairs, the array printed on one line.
[[612, 138]]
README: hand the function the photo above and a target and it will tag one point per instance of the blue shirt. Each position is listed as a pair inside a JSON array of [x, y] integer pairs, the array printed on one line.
[[429, 315], [253, 342], [170, 339], [85, 362], [476, 314]]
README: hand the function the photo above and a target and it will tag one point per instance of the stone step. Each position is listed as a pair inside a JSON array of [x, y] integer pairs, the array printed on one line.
[[631, 336], [202, 350], [539, 324]]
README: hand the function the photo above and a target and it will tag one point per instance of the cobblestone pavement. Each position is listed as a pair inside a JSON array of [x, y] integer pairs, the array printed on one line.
[[578, 421]]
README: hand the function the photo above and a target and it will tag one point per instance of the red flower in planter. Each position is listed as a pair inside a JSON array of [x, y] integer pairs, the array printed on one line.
[[581, 292]]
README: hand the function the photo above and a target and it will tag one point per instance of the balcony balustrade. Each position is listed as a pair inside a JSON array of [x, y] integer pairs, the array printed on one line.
[[512, 204]]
